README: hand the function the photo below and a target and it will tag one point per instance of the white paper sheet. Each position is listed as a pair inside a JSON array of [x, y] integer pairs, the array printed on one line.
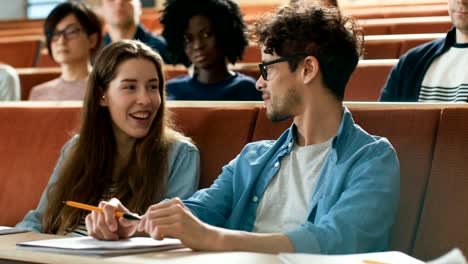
[[91, 246], [6, 230], [391, 257]]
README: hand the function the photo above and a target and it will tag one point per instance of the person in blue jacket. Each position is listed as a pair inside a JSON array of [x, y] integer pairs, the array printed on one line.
[[207, 34], [435, 71], [125, 147], [324, 186]]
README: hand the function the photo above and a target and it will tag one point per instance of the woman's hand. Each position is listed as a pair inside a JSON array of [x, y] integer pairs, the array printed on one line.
[[106, 226]]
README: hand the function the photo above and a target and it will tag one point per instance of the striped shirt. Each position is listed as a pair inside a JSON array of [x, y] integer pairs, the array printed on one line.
[[446, 80]]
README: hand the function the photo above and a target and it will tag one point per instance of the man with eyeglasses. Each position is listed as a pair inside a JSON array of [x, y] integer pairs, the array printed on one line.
[[122, 18], [325, 185]]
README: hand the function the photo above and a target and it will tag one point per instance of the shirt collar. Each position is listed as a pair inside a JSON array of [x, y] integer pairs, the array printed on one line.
[[449, 41], [340, 138], [140, 34]]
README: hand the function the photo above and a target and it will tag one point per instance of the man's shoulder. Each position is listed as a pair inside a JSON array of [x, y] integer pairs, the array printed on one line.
[[427, 49], [258, 148], [261, 145], [362, 141], [149, 38]]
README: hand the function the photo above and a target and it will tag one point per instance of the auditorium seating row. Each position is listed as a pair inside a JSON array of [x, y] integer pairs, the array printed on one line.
[[375, 46], [20, 51], [25, 51], [149, 18], [399, 11], [365, 83], [151, 21], [381, 8], [406, 25], [378, 26], [394, 46], [430, 140]]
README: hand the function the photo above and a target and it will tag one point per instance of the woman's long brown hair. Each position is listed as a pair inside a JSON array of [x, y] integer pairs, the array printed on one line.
[[87, 169]]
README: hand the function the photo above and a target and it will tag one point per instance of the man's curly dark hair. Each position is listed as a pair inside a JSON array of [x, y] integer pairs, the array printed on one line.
[[226, 19], [334, 39]]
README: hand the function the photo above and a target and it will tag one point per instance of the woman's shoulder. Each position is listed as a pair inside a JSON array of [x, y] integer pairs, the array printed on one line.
[[70, 143], [178, 80], [182, 144], [41, 91], [240, 77], [48, 85], [241, 80]]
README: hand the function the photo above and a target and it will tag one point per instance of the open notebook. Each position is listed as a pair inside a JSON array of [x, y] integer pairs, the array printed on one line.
[[91, 246], [6, 230]]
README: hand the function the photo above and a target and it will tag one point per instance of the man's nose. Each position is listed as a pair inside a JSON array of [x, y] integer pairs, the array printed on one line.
[[260, 84]]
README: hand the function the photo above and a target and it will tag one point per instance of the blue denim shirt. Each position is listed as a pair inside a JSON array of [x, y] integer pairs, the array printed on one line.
[[183, 169], [353, 205]]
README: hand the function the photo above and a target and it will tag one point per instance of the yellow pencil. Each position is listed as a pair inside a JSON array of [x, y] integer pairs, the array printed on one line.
[[368, 261], [97, 209]]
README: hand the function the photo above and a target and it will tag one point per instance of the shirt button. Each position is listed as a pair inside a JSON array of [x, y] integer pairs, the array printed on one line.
[[276, 164], [289, 145], [255, 199]]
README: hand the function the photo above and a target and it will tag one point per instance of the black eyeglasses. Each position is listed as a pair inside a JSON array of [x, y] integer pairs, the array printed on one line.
[[263, 66], [68, 33]]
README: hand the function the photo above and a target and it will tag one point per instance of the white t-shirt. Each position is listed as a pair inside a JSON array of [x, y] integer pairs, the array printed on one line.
[[10, 89], [284, 204], [446, 79]]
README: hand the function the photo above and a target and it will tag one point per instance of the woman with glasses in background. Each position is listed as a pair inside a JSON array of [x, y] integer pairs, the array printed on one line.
[[73, 36]]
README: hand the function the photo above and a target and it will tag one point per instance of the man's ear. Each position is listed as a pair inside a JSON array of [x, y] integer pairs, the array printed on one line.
[[311, 69]]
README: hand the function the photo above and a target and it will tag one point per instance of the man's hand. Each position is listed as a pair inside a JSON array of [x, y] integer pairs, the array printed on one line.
[[172, 219]]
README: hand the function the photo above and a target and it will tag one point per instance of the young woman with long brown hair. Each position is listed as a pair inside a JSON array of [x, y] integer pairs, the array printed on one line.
[[125, 148]]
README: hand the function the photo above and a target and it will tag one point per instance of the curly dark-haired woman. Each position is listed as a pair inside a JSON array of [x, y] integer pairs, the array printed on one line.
[[207, 34]]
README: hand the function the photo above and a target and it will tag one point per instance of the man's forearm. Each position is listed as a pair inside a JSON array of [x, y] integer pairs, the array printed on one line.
[[230, 240]]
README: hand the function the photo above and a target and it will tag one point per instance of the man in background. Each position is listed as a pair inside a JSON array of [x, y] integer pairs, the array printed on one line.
[[435, 71], [122, 19]]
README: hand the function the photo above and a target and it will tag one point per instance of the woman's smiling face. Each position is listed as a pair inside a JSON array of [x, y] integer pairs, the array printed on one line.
[[133, 98]]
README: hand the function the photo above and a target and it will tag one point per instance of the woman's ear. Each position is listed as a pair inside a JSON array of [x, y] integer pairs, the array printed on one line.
[[103, 101], [93, 41], [311, 69]]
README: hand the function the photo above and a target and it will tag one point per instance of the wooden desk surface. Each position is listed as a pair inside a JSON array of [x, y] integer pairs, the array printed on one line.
[[8, 252]]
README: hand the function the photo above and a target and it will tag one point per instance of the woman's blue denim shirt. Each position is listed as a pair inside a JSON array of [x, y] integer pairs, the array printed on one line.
[[352, 208]]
